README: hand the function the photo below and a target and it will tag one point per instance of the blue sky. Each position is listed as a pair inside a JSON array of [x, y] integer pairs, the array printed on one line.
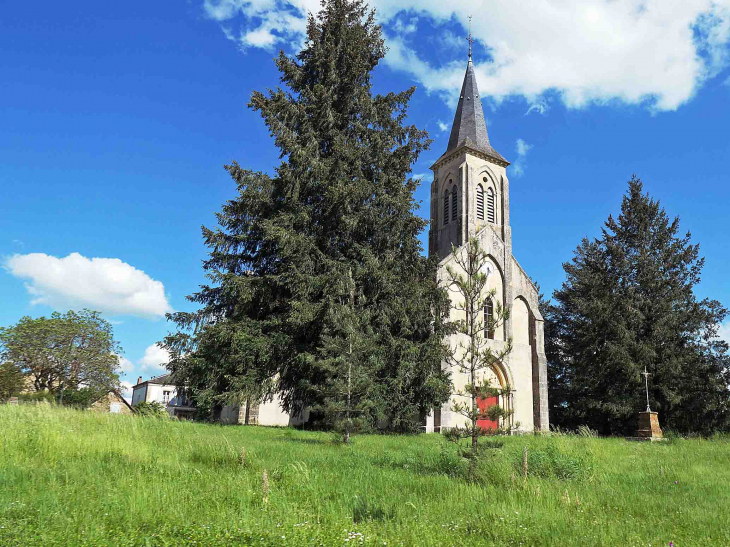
[[116, 119]]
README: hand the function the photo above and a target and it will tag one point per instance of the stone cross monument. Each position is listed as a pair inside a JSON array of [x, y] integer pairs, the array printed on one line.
[[648, 420]]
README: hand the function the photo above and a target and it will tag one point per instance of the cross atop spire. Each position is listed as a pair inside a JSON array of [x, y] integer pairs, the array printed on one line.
[[469, 127], [469, 39]]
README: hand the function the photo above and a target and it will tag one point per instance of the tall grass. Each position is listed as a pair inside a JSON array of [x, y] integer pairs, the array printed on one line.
[[78, 478]]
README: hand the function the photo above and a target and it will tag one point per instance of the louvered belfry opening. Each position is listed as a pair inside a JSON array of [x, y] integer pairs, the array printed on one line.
[[446, 207], [480, 202], [453, 204], [491, 216]]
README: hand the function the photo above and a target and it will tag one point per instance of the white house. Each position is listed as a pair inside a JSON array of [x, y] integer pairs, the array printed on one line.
[[158, 390]]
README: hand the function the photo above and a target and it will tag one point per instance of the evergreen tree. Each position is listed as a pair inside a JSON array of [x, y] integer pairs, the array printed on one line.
[[316, 272], [473, 354], [628, 302]]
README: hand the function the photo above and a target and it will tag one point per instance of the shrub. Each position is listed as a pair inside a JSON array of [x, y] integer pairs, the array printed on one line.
[[153, 409], [37, 397]]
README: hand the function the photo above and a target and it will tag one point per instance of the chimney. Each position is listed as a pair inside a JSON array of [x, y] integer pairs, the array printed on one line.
[[139, 380]]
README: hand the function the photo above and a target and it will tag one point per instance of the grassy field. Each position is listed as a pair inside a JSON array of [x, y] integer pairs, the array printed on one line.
[[74, 478]]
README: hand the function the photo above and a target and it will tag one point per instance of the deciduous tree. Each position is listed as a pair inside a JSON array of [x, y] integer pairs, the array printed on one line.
[[64, 351], [11, 380]]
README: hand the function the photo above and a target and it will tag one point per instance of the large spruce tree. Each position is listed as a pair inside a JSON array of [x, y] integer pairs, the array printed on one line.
[[319, 291], [628, 302]]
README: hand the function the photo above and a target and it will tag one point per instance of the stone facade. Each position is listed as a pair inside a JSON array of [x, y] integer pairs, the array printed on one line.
[[113, 402], [649, 426], [471, 169]]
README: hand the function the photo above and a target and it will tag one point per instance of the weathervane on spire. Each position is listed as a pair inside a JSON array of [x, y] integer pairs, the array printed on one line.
[[469, 39]]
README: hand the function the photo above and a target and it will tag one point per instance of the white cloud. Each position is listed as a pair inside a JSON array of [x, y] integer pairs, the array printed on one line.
[[419, 176], [442, 126], [540, 106], [724, 331], [127, 389], [522, 148], [103, 284], [125, 365], [409, 27], [18, 243], [648, 52], [154, 360]]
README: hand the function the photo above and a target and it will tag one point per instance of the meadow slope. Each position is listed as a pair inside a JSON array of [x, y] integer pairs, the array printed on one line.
[[78, 478]]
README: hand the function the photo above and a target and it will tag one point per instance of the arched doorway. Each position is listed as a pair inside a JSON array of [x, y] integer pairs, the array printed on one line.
[[497, 378]]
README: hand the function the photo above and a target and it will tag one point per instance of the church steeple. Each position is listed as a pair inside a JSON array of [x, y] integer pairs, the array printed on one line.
[[469, 126]]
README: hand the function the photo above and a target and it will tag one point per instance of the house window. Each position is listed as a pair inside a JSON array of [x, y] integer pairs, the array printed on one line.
[[446, 207], [453, 204], [165, 396], [489, 318], [491, 214], [480, 202]]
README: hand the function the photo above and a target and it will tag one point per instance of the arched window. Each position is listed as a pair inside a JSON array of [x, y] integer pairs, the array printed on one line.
[[446, 207], [453, 204], [491, 213], [489, 318], [480, 202]]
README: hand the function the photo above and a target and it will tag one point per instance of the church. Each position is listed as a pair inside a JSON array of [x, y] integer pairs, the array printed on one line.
[[470, 199]]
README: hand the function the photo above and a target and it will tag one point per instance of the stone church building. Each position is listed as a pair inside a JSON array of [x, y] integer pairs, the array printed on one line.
[[470, 199]]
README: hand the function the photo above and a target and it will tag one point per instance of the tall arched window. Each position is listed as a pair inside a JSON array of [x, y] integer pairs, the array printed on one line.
[[489, 318], [491, 213], [453, 204], [446, 207], [480, 202]]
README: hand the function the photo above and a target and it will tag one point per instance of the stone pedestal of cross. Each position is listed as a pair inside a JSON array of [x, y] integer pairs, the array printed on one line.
[[649, 421]]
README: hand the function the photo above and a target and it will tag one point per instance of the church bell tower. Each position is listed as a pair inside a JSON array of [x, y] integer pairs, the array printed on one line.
[[470, 189], [470, 199]]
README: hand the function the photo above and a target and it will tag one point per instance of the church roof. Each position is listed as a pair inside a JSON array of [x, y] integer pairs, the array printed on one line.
[[470, 128]]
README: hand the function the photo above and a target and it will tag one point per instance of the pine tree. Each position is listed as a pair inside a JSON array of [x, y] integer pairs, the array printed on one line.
[[473, 354], [628, 302], [316, 272]]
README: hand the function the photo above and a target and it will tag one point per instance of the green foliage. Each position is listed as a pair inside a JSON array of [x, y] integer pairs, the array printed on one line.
[[318, 290], [64, 352], [37, 397], [475, 354], [83, 398], [73, 478], [11, 380], [151, 409], [628, 303]]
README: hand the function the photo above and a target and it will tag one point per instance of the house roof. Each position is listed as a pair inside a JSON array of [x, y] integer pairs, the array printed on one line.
[[469, 127], [164, 379]]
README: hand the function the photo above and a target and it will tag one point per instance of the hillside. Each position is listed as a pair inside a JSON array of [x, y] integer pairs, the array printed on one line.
[[74, 478]]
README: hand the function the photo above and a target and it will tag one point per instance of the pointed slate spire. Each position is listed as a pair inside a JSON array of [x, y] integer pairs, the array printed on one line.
[[469, 125]]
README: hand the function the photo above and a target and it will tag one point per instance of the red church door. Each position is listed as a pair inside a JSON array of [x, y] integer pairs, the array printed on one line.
[[484, 404]]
